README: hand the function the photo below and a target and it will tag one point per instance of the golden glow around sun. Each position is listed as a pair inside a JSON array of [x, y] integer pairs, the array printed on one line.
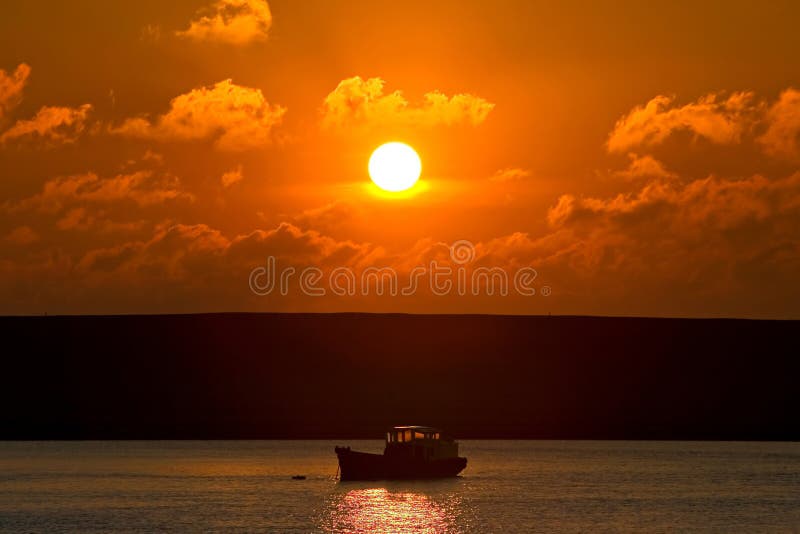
[[394, 167]]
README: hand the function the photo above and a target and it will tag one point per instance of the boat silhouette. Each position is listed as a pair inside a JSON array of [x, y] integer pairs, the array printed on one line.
[[410, 452]]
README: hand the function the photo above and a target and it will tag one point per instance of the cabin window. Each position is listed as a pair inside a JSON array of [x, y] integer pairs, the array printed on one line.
[[407, 435], [419, 435]]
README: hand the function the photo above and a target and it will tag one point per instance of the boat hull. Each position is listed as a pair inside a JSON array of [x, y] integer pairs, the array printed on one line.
[[354, 465]]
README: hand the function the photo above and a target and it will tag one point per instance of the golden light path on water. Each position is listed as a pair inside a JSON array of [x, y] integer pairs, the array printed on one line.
[[385, 510]]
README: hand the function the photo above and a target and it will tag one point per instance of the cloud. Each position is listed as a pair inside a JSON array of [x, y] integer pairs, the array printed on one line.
[[720, 120], [231, 177], [237, 118], [327, 217], [200, 256], [235, 22], [83, 219], [707, 247], [510, 174], [144, 188], [782, 138], [51, 124], [153, 157], [22, 235], [359, 101], [76, 218], [644, 167], [196, 266], [712, 223], [11, 87], [197, 253], [293, 245]]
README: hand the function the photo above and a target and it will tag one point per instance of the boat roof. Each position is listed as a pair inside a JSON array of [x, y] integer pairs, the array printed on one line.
[[416, 427]]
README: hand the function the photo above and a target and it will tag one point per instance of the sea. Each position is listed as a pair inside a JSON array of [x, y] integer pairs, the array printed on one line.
[[508, 486]]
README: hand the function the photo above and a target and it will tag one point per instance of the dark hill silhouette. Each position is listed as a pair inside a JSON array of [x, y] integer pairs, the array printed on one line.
[[353, 375]]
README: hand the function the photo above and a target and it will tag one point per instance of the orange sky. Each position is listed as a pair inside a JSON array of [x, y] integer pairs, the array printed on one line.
[[643, 161]]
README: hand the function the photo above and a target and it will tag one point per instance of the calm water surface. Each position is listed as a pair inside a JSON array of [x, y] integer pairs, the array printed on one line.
[[508, 486]]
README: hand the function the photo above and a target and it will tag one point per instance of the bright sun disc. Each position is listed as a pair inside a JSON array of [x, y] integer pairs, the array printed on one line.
[[394, 167]]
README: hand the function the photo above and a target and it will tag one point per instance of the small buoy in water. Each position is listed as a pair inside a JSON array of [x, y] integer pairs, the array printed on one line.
[[298, 477]]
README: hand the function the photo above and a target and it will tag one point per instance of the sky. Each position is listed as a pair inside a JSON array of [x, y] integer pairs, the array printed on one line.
[[621, 158]]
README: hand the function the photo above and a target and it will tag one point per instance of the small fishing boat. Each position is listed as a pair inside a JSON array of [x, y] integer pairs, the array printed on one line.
[[410, 452]]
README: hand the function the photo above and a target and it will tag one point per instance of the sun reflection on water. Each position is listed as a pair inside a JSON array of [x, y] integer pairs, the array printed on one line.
[[385, 510]]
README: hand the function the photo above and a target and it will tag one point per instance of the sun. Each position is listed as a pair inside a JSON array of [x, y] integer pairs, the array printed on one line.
[[394, 167]]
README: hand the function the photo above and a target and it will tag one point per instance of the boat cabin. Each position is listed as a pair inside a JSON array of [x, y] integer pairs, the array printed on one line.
[[420, 441]]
